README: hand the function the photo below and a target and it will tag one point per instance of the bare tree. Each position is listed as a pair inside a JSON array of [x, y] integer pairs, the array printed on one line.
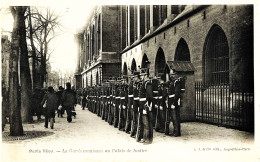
[[42, 25]]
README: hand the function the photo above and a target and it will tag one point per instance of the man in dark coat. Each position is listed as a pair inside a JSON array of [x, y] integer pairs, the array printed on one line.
[[50, 102], [68, 101]]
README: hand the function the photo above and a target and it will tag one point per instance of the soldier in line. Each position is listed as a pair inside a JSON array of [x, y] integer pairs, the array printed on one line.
[[160, 115], [129, 106], [117, 103], [155, 84], [122, 107], [142, 101], [135, 104], [112, 103], [103, 101], [147, 112], [179, 89], [107, 102]]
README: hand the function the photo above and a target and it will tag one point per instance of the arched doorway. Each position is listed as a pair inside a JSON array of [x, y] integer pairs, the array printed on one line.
[[133, 66], [182, 51], [125, 69], [144, 60], [97, 78], [216, 56], [160, 63]]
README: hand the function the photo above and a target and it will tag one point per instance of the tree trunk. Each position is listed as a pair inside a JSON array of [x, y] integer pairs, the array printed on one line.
[[25, 75], [34, 79], [16, 128]]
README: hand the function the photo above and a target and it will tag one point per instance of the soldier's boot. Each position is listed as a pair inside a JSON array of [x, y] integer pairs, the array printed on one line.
[[148, 134], [103, 112], [162, 121], [111, 115], [124, 120], [139, 132], [176, 124], [116, 118], [133, 124]]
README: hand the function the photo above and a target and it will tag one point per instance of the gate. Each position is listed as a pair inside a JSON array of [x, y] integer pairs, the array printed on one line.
[[224, 105]]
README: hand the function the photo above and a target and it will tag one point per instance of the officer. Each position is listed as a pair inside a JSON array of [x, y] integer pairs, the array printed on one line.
[[135, 104]]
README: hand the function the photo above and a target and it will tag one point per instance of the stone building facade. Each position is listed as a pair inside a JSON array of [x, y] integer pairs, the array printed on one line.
[[210, 44], [99, 47]]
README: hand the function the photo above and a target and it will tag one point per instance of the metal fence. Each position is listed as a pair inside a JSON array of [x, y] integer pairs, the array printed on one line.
[[224, 105]]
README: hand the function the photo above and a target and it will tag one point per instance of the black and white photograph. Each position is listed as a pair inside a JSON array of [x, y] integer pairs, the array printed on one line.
[[129, 81]]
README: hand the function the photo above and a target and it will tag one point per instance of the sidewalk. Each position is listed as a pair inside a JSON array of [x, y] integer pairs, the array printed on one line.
[[89, 137]]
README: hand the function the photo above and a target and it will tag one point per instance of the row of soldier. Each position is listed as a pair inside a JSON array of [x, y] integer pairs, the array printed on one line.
[[139, 105]]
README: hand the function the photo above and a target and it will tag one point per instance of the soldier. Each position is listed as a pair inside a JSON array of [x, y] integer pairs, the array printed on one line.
[[129, 106], [122, 107], [147, 113], [107, 102], [117, 103], [155, 84], [160, 115], [179, 89], [141, 110], [103, 101], [111, 108], [135, 104]]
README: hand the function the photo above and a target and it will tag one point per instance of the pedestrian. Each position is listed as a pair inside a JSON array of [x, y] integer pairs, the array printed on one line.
[[60, 110], [68, 101], [50, 103]]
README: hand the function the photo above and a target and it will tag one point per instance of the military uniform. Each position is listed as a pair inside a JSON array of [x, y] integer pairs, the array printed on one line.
[[129, 107], [135, 109], [122, 120], [147, 113], [142, 101], [155, 84], [179, 85], [117, 103]]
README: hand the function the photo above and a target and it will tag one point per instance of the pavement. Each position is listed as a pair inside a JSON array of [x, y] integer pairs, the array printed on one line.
[[88, 138]]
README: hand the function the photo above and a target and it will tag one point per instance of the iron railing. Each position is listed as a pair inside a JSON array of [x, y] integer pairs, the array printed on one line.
[[224, 105]]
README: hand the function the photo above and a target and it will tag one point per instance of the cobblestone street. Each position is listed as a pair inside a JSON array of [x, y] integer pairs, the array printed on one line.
[[90, 138]]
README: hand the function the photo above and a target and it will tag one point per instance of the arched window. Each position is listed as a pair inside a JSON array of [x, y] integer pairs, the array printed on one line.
[[216, 56], [182, 51], [99, 30], [133, 65], [91, 82], [93, 42], [160, 62]]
